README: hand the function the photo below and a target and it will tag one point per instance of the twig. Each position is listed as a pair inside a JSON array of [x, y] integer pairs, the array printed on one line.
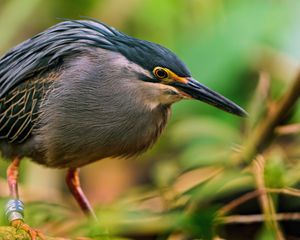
[[248, 219], [288, 129], [266, 202], [250, 195], [259, 101], [287, 191], [261, 136], [238, 201]]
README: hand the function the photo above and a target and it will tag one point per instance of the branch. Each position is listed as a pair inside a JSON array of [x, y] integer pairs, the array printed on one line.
[[250, 195], [248, 219], [11, 233], [262, 134], [265, 200], [238, 201]]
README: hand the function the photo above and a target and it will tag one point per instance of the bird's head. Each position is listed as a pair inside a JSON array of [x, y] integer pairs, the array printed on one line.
[[157, 69], [160, 68]]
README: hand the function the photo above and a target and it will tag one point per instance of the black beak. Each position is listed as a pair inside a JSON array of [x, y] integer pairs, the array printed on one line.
[[200, 92]]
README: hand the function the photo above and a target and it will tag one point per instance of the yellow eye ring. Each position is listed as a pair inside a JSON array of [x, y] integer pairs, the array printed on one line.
[[160, 73]]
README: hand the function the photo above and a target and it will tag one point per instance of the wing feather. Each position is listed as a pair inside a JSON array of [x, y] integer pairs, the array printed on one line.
[[47, 50]]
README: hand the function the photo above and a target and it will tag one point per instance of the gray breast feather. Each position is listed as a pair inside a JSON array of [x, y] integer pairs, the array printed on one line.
[[95, 111]]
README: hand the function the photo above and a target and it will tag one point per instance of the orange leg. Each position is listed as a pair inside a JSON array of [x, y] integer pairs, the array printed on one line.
[[73, 183], [12, 178], [15, 207]]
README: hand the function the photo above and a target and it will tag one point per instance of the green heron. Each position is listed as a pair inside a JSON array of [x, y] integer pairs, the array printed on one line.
[[82, 91]]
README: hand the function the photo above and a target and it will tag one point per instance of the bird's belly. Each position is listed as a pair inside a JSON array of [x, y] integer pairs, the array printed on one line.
[[75, 145]]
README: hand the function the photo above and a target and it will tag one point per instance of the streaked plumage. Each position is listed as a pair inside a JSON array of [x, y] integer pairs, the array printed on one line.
[[47, 49], [82, 91], [41, 63], [19, 110]]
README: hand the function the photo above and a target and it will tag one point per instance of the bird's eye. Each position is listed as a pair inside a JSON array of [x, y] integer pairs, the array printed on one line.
[[160, 73]]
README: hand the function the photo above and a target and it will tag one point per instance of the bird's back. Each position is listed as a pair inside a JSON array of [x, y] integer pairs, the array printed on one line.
[[26, 73], [52, 60], [19, 110]]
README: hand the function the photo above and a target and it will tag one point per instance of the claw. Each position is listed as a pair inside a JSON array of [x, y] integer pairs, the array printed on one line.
[[33, 233]]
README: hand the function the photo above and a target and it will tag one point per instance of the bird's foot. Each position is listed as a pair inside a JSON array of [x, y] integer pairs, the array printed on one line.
[[33, 233], [15, 214]]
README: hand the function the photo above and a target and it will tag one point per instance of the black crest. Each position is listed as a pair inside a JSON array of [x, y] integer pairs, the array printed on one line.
[[48, 49]]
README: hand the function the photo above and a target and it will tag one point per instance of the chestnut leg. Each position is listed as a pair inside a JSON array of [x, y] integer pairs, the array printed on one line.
[[15, 207], [73, 183], [12, 178]]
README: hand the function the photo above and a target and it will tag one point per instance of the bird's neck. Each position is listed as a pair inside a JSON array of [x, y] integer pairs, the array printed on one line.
[[155, 96]]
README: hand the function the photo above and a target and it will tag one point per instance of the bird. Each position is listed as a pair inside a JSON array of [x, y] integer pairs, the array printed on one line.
[[82, 91]]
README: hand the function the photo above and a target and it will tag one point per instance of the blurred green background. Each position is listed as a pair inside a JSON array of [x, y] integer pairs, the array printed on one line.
[[248, 51]]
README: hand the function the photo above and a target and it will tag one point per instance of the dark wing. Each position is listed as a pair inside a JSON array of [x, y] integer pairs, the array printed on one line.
[[47, 49], [19, 109], [28, 69]]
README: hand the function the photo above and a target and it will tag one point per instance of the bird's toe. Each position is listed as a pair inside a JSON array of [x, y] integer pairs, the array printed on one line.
[[33, 233]]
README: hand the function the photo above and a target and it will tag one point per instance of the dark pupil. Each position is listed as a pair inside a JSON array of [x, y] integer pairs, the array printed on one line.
[[161, 73]]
